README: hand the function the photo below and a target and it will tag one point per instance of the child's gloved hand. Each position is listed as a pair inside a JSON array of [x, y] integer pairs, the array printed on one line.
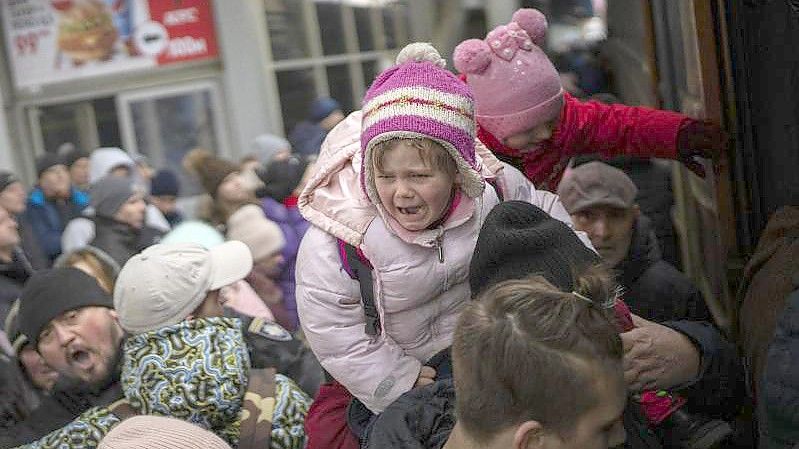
[[427, 376], [700, 138]]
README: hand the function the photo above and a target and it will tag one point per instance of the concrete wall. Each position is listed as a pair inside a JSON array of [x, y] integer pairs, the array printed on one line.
[[241, 28]]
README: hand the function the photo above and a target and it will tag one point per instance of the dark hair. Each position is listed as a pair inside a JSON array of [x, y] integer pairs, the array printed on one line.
[[524, 350]]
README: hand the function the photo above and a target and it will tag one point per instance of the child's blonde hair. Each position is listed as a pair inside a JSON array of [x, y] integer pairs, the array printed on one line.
[[431, 152]]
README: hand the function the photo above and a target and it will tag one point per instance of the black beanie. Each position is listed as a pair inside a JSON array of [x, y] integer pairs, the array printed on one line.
[[281, 177], [165, 183], [49, 293], [518, 240], [46, 161]]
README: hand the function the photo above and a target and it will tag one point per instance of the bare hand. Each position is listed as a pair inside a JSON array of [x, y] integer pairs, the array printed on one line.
[[427, 376], [657, 357]]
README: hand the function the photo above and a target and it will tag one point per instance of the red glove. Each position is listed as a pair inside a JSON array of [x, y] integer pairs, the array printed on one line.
[[700, 138]]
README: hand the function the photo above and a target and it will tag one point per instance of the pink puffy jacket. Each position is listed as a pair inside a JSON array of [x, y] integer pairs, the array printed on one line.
[[418, 297]]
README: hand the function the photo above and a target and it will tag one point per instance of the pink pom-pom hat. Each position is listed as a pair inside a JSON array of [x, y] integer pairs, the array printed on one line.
[[516, 86], [418, 98]]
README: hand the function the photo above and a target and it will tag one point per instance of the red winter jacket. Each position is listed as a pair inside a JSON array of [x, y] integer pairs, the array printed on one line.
[[595, 128]]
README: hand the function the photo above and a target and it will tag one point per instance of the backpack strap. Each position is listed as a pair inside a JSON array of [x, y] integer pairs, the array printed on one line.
[[259, 407], [358, 267], [494, 182]]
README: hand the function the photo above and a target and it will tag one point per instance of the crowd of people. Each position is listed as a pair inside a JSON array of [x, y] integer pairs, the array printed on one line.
[[464, 262]]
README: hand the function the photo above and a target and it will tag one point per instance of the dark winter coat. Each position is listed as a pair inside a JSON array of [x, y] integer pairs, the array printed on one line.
[[48, 218], [120, 241], [658, 292], [654, 289], [12, 277], [271, 346], [65, 403], [293, 226], [30, 244], [778, 407], [18, 397], [420, 419]]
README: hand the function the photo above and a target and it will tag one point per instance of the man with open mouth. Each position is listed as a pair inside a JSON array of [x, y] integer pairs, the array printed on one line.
[[71, 322]]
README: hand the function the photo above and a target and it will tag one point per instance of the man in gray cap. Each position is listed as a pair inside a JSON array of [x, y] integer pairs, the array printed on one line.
[[688, 347], [119, 219]]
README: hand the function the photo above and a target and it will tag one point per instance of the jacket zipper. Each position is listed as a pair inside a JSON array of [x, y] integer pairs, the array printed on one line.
[[439, 248]]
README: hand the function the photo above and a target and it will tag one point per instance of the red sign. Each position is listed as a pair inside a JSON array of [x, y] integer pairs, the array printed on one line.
[[190, 27]]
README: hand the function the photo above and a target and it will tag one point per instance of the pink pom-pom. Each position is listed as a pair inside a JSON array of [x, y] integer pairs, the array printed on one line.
[[533, 22], [472, 56]]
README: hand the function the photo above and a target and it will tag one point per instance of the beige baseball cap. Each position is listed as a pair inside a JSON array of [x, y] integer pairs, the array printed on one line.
[[165, 283]]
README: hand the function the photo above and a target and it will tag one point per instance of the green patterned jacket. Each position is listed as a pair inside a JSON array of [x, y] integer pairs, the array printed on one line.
[[196, 371]]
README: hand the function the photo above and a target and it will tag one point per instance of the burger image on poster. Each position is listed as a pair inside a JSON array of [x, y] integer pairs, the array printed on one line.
[[86, 30]]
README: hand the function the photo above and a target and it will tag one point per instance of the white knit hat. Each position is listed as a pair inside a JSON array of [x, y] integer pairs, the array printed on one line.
[[261, 235], [155, 432]]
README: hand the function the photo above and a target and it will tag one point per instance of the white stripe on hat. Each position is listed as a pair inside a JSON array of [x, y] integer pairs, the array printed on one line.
[[427, 111], [458, 101]]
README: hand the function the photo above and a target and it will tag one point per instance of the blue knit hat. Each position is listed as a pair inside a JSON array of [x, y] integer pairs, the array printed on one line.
[[165, 183], [322, 107]]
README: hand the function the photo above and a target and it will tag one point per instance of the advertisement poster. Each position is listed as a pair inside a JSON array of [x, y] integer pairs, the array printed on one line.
[[52, 41]]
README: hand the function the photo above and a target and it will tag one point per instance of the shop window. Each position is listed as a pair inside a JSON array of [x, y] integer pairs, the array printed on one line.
[[105, 112], [389, 27], [297, 91], [60, 124], [168, 127], [363, 24], [286, 24], [338, 80], [369, 73], [331, 28], [86, 124]]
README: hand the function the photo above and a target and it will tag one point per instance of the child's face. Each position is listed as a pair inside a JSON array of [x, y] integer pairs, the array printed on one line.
[[232, 190], [411, 190], [529, 140]]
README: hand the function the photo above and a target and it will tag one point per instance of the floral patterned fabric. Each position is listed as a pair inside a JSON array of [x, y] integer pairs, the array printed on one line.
[[196, 371]]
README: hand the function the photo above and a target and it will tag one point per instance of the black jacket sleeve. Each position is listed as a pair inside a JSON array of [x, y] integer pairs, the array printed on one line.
[[719, 388], [271, 346]]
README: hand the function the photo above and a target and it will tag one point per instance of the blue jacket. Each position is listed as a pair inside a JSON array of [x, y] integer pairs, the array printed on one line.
[[46, 221]]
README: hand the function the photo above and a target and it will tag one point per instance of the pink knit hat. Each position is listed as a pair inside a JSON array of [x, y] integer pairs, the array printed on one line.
[[418, 98], [515, 85]]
